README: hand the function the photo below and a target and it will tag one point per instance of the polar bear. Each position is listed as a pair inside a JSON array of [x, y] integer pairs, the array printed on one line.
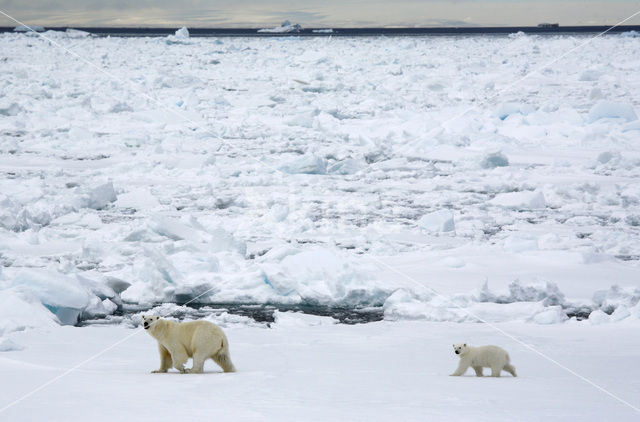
[[177, 342], [482, 357]]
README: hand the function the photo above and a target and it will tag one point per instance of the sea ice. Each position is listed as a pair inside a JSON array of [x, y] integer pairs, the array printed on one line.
[[347, 166], [182, 33], [62, 295], [7, 345], [551, 315], [76, 33], [28, 28], [520, 200], [615, 297], [608, 109], [598, 317], [321, 276], [285, 27], [20, 309], [590, 75], [97, 197], [507, 109], [493, 160], [157, 208], [9, 108], [181, 36], [437, 221], [306, 164]]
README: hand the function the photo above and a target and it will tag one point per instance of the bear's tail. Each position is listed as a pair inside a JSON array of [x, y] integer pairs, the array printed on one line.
[[223, 359]]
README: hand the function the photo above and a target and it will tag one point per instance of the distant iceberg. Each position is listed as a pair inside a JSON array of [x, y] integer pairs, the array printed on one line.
[[285, 27], [181, 36], [28, 28], [182, 33], [76, 33]]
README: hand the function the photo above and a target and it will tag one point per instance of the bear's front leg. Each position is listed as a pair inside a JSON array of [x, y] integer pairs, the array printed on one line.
[[165, 360], [462, 368], [478, 370]]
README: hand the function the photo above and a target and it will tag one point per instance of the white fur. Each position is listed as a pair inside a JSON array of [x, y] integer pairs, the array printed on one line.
[[178, 342], [482, 357]]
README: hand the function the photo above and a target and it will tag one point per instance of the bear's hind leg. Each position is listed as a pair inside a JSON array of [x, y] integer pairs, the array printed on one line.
[[223, 359], [165, 360], [478, 370], [198, 363], [510, 369], [495, 371]]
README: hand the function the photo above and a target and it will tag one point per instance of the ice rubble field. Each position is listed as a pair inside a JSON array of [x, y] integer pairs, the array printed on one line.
[[406, 174]]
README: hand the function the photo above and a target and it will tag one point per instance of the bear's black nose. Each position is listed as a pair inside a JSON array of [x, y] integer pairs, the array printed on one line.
[[457, 352]]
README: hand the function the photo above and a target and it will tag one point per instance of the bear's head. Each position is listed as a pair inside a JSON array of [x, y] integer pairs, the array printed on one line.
[[460, 348], [148, 321]]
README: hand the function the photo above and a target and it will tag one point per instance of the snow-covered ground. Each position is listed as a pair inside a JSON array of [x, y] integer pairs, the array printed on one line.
[[420, 176], [307, 369]]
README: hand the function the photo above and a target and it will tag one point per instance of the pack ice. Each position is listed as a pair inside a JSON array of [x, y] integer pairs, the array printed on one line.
[[353, 172]]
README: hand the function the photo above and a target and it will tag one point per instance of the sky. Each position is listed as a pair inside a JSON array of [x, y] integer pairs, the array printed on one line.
[[316, 13]]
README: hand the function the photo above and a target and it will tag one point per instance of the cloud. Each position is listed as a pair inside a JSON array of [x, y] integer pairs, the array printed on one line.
[[318, 13]]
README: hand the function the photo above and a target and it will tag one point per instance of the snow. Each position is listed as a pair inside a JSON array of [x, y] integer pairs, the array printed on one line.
[[333, 172], [313, 369]]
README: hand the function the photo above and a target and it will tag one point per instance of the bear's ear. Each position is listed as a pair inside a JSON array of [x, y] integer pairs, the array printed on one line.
[[465, 345]]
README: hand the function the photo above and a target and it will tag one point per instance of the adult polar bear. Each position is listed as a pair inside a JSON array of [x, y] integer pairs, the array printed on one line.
[[492, 357], [178, 342]]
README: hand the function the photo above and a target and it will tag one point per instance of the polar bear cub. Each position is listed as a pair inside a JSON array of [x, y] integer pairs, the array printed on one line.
[[482, 357], [178, 342]]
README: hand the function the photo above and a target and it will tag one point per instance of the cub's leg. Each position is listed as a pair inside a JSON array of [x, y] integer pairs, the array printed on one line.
[[462, 368], [478, 370], [165, 360], [510, 369]]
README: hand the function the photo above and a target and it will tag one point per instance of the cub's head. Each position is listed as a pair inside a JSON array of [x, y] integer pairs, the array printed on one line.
[[460, 348], [148, 321]]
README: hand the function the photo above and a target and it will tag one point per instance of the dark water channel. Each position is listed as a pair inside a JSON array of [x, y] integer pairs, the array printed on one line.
[[260, 313]]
